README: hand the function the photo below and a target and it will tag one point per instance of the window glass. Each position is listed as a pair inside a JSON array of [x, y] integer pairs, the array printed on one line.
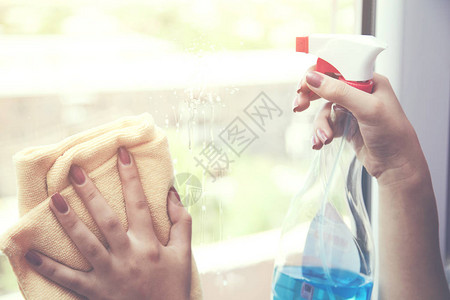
[[218, 76]]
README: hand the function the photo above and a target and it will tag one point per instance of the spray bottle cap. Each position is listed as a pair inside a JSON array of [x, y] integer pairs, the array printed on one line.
[[352, 56]]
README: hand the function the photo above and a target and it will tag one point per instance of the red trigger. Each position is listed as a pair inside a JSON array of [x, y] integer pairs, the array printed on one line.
[[325, 67]]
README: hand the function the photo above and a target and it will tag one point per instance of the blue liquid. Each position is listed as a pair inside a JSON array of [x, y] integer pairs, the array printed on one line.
[[310, 283]]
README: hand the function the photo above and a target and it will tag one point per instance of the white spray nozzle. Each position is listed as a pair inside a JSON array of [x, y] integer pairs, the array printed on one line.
[[353, 56]]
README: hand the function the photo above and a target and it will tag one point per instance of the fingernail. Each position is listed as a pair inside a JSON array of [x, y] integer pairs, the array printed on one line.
[[77, 174], [314, 79], [60, 203], [124, 156], [295, 103], [322, 135], [33, 258], [173, 190], [315, 142]]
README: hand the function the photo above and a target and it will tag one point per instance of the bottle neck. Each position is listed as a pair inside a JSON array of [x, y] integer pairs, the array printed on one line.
[[343, 122]]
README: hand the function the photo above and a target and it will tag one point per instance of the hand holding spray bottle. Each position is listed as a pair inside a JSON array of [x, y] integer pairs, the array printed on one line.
[[326, 249]]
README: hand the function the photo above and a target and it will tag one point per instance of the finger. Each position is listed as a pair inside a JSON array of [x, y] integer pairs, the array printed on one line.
[[88, 244], [107, 221], [340, 120], [304, 89], [381, 84], [356, 101], [77, 281], [138, 213], [181, 231], [304, 96], [303, 100], [302, 86], [322, 128], [316, 143]]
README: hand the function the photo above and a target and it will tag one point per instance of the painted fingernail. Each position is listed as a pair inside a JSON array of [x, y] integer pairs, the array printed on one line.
[[315, 142], [124, 156], [322, 135], [60, 203], [295, 103], [77, 174], [173, 190], [33, 258], [314, 79]]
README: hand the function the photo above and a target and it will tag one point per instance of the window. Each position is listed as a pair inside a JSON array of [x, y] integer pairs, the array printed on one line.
[[199, 67]]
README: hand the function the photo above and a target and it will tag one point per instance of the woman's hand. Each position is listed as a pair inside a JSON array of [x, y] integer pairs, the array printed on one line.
[[136, 265], [387, 145], [386, 142]]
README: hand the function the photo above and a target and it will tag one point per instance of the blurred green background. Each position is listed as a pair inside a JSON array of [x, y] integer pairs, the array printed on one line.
[[254, 193], [232, 24]]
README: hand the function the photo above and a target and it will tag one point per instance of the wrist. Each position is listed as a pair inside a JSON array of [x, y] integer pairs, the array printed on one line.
[[412, 174], [407, 166]]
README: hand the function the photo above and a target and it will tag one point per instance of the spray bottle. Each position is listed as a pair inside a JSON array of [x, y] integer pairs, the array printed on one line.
[[326, 249]]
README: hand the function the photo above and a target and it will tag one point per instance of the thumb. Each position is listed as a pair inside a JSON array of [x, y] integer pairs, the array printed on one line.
[[334, 90], [181, 231]]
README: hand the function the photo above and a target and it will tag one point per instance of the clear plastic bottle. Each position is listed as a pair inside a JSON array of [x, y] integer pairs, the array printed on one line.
[[326, 249]]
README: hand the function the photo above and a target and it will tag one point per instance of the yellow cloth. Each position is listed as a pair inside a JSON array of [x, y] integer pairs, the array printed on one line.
[[43, 171]]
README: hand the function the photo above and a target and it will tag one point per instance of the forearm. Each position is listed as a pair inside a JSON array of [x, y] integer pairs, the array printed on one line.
[[410, 262]]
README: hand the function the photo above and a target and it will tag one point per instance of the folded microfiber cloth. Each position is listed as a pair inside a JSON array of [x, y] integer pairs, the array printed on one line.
[[43, 171]]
